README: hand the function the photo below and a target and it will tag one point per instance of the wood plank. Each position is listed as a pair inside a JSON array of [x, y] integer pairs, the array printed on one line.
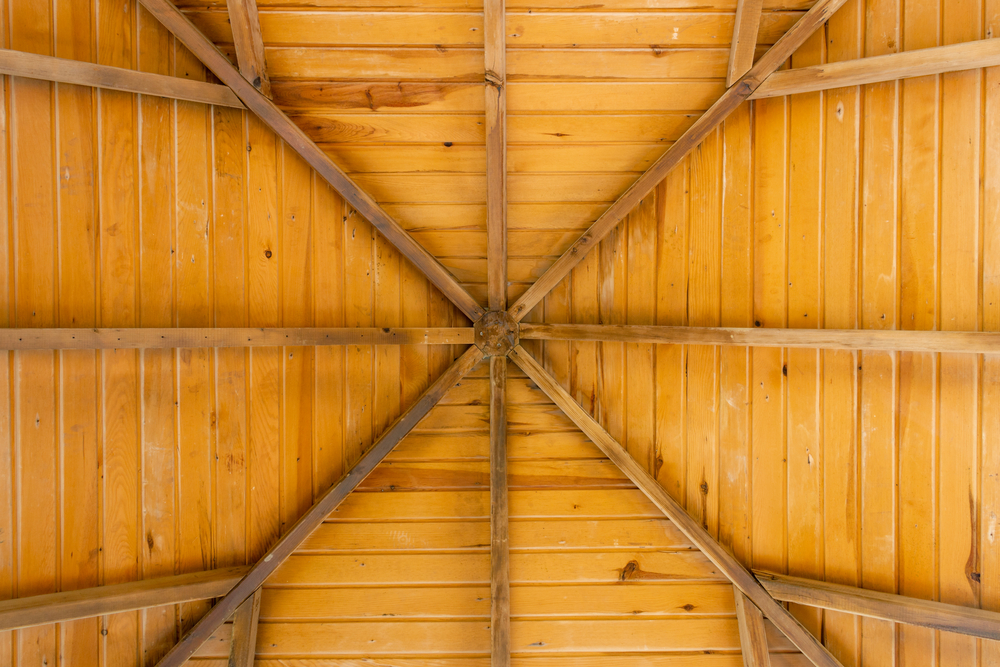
[[745, 29], [719, 111], [274, 118], [102, 600], [154, 338], [327, 503], [970, 342], [249, 44], [875, 69], [47, 68], [885, 606], [495, 47], [718, 555], [753, 636], [241, 653], [499, 531]]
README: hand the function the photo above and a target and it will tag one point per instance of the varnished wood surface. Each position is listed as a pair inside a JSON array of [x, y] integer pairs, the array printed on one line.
[[327, 503], [67, 70], [744, 42], [499, 517], [495, 51], [244, 647], [753, 635], [245, 24], [741, 578]]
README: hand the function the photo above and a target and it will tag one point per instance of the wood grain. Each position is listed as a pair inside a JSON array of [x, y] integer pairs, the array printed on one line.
[[244, 645], [328, 502], [875, 69], [970, 342], [885, 606], [499, 532], [719, 111], [101, 600], [113, 339], [495, 47], [753, 636], [47, 68], [729, 566], [249, 44], [741, 51], [275, 119]]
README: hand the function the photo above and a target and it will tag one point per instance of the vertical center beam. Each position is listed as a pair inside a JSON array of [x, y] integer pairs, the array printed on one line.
[[753, 635], [499, 547], [243, 648], [495, 41], [249, 44], [744, 44]]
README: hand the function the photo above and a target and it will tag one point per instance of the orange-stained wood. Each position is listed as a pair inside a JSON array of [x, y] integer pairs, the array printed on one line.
[[495, 36], [243, 649], [499, 531], [753, 636], [249, 44], [744, 43]]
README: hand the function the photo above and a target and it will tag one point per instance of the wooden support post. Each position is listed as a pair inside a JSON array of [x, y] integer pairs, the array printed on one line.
[[249, 44], [111, 339], [730, 100], [102, 600], [499, 547], [366, 206], [328, 502], [715, 552], [745, 29], [496, 153], [244, 645], [47, 68], [829, 339], [922, 62], [884, 606], [753, 636]]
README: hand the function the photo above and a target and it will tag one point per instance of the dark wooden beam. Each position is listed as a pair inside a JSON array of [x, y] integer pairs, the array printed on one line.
[[830, 339], [366, 206], [249, 44], [745, 29], [107, 339], [244, 644], [499, 543], [47, 68], [495, 47], [328, 502], [715, 552], [730, 100], [922, 62], [101, 600], [753, 635], [884, 606]]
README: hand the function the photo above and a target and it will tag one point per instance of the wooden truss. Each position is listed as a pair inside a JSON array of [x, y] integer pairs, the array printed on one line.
[[496, 333]]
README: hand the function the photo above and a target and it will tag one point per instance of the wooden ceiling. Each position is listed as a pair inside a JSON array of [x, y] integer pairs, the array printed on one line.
[[867, 460]]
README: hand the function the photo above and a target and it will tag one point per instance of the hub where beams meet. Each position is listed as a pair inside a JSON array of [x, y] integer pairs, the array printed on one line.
[[497, 333]]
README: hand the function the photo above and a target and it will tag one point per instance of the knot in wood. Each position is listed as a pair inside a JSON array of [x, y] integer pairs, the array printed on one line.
[[496, 333]]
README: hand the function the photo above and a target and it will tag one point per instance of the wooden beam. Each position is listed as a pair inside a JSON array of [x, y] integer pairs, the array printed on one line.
[[366, 206], [107, 339], [715, 552], [495, 36], [328, 502], [249, 44], [923, 62], [744, 44], [47, 68], [829, 339], [753, 635], [101, 600], [244, 644], [499, 543], [730, 100], [884, 606]]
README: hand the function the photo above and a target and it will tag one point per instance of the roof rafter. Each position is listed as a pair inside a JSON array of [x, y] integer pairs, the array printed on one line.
[[496, 152], [885, 606], [718, 112], [831, 339], [725, 561], [874, 69], [744, 44], [107, 339], [48, 68], [249, 44], [753, 635], [286, 545], [244, 642], [284, 127], [499, 542]]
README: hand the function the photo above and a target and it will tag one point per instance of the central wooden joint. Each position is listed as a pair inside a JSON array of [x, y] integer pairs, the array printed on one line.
[[496, 333]]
